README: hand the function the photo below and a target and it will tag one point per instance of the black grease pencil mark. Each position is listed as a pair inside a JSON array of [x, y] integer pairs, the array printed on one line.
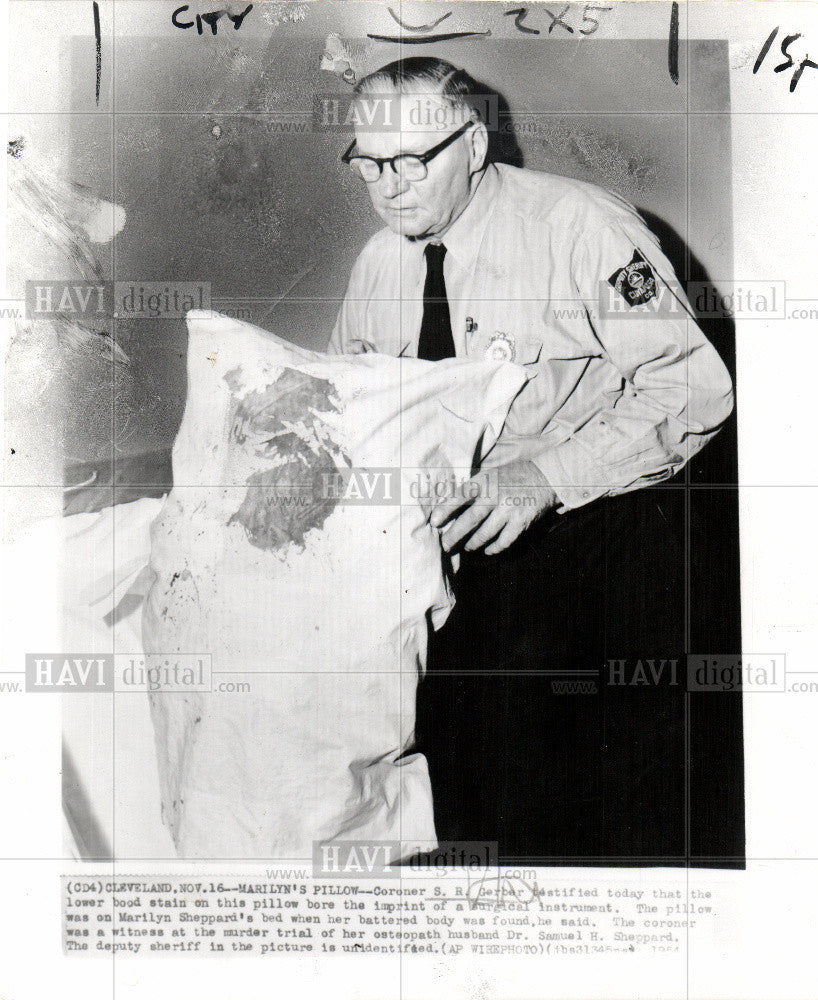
[[673, 44], [784, 47], [98, 36], [419, 27], [797, 74], [519, 13], [765, 48], [427, 38]]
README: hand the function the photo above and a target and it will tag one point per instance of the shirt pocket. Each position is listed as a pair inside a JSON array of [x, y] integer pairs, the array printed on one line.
[[529, 351]]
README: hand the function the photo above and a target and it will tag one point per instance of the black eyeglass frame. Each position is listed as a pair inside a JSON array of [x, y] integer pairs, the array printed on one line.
[[424, 158]]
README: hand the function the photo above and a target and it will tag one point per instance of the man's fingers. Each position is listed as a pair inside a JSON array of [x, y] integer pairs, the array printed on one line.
[[509, 534], [464, 525], [445, 510], [491, 527], [448, 507]]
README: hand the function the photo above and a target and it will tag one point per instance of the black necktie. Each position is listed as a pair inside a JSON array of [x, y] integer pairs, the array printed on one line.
[[436, 341]]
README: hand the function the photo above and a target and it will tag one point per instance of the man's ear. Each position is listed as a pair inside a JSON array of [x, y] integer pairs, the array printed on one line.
[[478, 138]]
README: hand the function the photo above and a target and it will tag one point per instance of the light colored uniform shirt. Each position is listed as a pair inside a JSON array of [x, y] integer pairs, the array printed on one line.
[[564, 278]]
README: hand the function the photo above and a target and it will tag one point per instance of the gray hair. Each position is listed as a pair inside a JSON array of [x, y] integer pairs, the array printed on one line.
[[425, 74]]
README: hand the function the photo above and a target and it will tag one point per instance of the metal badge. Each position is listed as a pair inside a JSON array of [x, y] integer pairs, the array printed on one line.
[[501, 347]]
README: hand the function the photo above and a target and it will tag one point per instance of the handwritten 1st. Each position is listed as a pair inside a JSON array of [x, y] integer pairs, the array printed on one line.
[[785, 45]]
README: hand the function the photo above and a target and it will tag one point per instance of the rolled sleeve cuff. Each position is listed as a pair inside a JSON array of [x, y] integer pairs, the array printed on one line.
[[573, 474]]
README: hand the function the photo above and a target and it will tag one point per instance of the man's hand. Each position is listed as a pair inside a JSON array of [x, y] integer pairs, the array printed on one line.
[[523, 494]]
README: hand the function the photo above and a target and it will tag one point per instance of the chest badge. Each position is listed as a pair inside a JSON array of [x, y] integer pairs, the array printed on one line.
[[501, 347]]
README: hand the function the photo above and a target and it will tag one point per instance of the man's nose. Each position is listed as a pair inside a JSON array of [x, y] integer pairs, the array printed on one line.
[[390, 183]]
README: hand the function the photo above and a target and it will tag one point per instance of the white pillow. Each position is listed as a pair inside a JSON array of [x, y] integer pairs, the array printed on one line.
[[320, 605]]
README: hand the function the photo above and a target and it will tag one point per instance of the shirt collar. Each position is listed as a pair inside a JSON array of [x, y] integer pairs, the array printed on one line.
[[465, 236]]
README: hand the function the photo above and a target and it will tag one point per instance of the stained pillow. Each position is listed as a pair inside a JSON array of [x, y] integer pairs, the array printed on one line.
[[295, 551]]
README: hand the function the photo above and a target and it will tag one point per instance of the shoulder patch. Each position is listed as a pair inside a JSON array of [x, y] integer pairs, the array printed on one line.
[[635, 282]]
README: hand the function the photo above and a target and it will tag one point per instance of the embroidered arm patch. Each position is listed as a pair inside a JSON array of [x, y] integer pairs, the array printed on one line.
[[635, 281]]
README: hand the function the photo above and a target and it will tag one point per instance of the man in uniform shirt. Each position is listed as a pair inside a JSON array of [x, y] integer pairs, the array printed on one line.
[[574, 563]]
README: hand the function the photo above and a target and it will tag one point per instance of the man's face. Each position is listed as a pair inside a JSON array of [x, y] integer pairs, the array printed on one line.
[[426, 207]]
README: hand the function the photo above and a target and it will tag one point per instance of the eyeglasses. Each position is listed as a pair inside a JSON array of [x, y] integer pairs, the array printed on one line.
[[408, 166]]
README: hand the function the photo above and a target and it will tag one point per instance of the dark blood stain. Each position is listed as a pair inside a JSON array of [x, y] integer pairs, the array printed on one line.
[[288, 400], [233, 379], [283, 424]]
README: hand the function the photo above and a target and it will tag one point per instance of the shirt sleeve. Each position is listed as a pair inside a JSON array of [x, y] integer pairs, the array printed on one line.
[[349, 335], [344, 323], [675, 389]]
